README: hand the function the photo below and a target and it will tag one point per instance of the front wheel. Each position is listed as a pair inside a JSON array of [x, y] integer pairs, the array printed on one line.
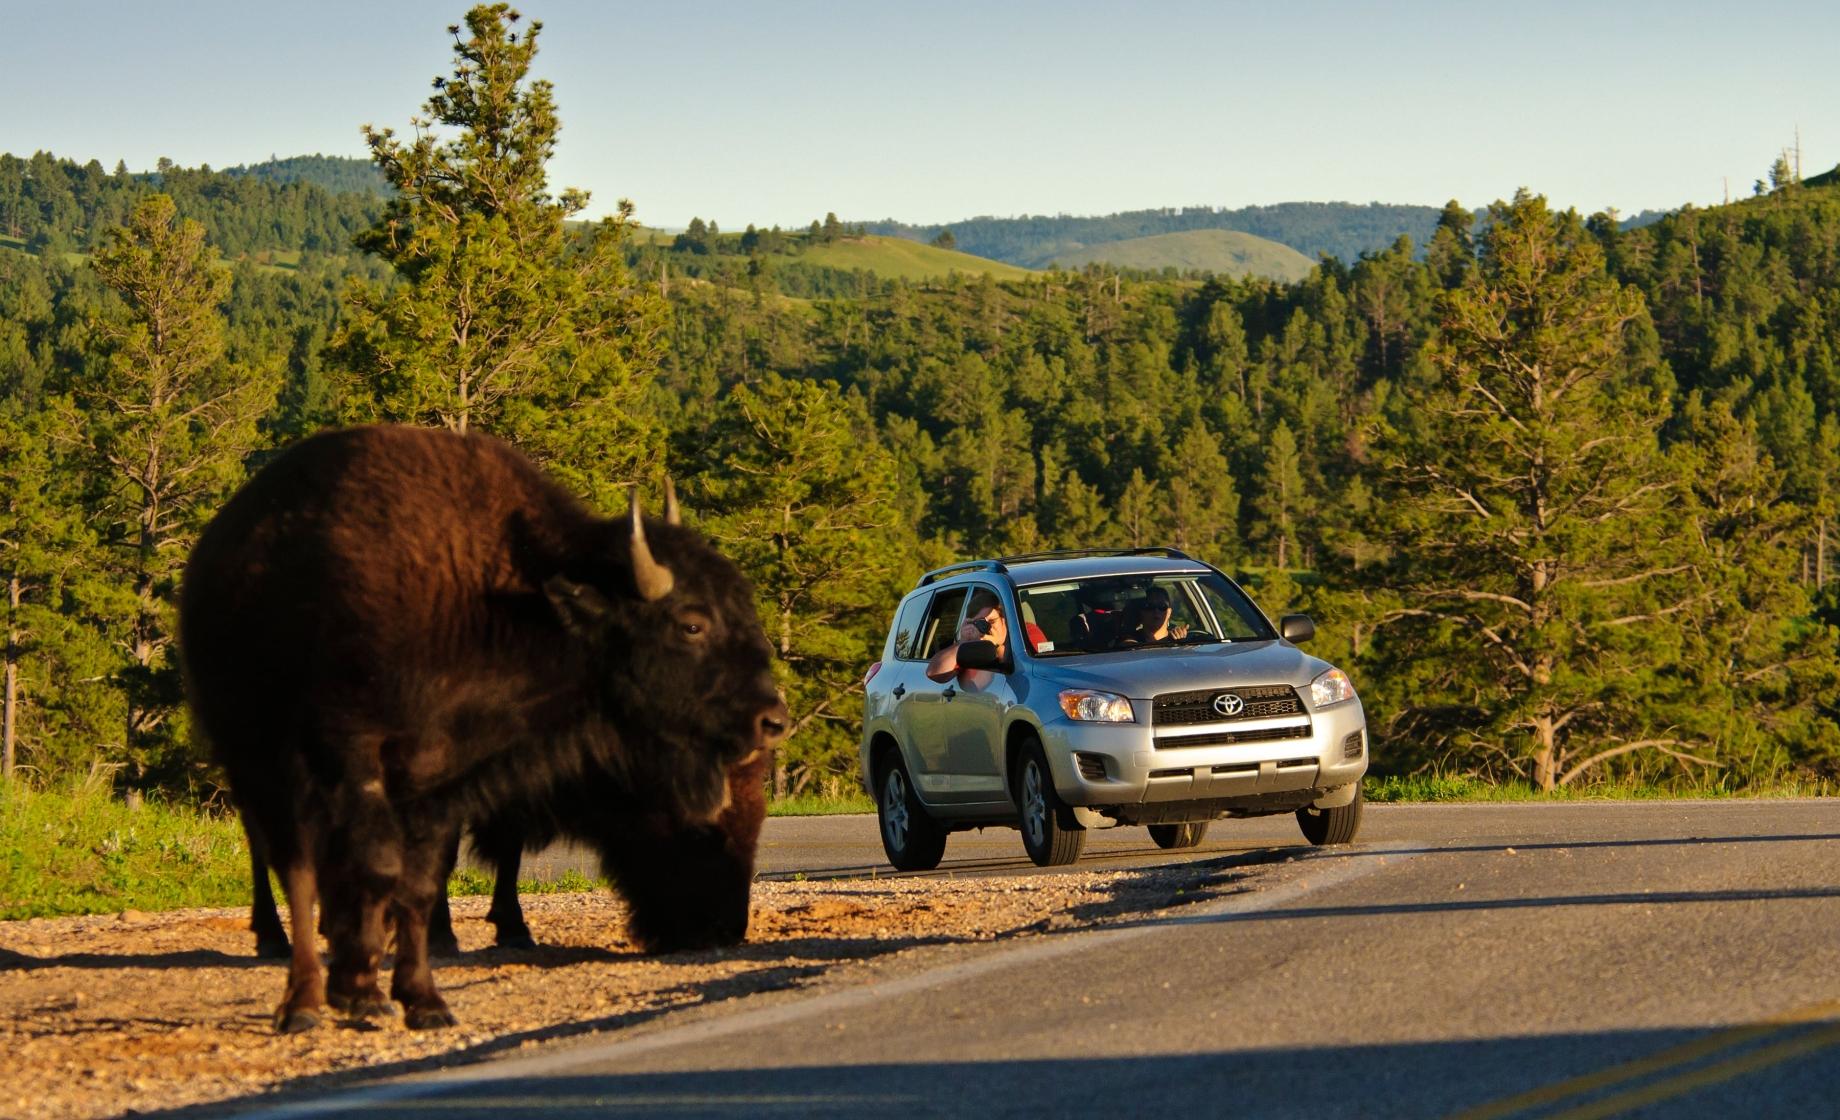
[[913, 840], [1332, 826], [1049, 833], [1178, 835]]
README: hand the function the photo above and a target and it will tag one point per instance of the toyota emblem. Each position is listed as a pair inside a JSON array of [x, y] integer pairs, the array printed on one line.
[[1229, 704]]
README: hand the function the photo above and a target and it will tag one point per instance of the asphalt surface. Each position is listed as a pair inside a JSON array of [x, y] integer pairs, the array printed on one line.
[[1566, 960]]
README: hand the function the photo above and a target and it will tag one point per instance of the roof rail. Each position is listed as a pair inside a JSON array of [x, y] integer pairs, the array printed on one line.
[[1002, 562], [967, 566], [1076, 553]]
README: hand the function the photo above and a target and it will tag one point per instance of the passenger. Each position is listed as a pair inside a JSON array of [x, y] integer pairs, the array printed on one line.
[[1097, 625], [983, 623], [1152, 623]]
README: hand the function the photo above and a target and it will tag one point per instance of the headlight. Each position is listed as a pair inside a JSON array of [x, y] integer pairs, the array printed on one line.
[[1332, 687], [1096, 707]]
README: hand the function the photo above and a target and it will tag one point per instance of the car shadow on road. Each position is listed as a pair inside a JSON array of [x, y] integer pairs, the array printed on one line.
[[1714, 1072]]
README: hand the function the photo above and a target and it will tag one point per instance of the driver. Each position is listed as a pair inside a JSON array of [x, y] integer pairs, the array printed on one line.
[[1152, 624]]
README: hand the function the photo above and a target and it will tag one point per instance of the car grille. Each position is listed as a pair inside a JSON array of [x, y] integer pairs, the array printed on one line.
[[1216, 738], [1262, 702]]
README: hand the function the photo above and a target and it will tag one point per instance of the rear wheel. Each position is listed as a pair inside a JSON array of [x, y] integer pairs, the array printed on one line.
[[1049, 833], [1178, 835], [913, 840], [1332, 826]]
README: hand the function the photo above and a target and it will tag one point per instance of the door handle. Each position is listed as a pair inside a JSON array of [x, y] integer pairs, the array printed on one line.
[[949, 692], [900, 690]]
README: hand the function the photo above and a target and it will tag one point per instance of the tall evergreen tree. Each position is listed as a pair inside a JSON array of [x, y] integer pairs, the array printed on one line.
[[1526, 502], [505, 321], [168, 422], [788, 479]]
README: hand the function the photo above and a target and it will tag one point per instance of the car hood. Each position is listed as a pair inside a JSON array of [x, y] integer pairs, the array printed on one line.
[[1144, 673]]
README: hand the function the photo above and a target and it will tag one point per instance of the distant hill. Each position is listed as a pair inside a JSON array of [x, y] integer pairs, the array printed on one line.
[[336, 174], [1337, 229], [1223, 251], [896, 258]]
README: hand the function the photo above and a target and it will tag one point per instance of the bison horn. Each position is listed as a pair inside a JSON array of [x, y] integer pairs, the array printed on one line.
[[653, 579], [671, 514]]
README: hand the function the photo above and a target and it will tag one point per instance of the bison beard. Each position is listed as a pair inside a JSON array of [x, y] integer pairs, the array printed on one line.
[[390, 632]]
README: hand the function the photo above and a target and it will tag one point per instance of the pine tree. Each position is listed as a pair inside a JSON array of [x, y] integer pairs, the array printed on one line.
[[1280, 503], [505, 321], [1525, 504], [167, 421], [788, 481]]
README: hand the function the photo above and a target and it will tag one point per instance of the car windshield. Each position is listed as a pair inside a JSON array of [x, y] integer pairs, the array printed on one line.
[[1111, 613]]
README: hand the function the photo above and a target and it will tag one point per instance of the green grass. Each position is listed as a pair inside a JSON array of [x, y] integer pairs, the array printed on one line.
[[1424, 788], [1223, 251], [818, 805], [467, 880], [894, 258], [82, 851]]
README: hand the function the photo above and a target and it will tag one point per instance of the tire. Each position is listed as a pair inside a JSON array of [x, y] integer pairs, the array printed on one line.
[[1049, 833], [1332, 826], [912, 839], [1178, 835]]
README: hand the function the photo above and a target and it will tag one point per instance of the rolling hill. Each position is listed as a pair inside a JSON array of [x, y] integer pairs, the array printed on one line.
[[1223, 251], [893, 258]]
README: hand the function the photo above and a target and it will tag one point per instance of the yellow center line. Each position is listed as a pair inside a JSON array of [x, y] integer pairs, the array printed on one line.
[[1654, 1063], [1684, 1083]]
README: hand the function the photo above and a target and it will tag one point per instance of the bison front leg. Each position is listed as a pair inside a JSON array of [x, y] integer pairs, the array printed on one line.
[[305, 997], [423, 881]]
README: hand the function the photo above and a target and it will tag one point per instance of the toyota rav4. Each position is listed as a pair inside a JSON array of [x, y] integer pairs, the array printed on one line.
[[1136, 687]]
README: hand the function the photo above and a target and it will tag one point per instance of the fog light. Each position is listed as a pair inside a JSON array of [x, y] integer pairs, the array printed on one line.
[[1351, 746], [1092, 766]]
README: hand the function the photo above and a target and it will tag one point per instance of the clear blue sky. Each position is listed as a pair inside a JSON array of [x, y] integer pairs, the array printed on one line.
[[778, 112]]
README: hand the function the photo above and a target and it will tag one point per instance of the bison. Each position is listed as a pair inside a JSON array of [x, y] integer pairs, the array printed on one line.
[[391, 632]]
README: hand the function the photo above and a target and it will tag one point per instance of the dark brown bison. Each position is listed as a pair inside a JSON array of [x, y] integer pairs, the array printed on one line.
[[391, 632]]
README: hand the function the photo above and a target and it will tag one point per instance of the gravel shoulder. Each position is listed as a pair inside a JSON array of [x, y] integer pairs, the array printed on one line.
[[135, 1013]]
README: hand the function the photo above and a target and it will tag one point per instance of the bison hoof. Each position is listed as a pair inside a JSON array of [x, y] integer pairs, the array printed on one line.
[[273, 948], [519, 939], [443, 946], [295, 1020], [429, 1018]]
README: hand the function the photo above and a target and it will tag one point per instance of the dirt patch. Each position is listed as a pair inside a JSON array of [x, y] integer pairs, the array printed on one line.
[[101, 1016]]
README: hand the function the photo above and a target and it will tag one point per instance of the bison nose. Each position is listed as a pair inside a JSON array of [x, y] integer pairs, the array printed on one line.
[[770, 726]]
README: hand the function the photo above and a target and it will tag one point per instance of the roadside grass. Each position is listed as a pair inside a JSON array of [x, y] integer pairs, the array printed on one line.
[[821, 805], [81, 850], [1430, 788]]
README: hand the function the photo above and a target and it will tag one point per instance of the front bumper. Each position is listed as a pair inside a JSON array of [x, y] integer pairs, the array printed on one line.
[[1121, 765]]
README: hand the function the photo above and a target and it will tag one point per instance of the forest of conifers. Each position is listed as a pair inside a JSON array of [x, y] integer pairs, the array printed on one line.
[[1560, 496]]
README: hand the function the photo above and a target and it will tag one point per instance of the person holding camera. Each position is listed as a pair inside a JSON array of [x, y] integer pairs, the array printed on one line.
[[984, 622]]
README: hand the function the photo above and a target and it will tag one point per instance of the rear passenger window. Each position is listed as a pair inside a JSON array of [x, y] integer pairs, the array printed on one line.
[[941, 627], [907, 628]]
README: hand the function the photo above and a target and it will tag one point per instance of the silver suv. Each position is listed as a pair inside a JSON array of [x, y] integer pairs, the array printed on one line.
[[1135, 687]]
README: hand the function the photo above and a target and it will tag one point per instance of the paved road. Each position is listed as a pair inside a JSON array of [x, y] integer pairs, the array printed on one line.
[[1650, 959]]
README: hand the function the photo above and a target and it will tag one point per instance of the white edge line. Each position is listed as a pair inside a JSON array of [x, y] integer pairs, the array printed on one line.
[[1034, 949]]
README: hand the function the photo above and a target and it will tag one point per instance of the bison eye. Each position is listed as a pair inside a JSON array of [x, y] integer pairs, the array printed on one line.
[[693, 625]]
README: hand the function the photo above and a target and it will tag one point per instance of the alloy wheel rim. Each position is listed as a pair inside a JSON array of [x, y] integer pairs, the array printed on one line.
[[1035, 806], [894, 809]]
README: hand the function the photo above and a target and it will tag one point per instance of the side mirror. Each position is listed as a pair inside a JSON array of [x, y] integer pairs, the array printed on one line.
[[1296, 628], [980, 655]]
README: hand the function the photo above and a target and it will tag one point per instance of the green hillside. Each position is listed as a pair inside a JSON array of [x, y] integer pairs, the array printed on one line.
[[896, 258], [1222, 251]]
